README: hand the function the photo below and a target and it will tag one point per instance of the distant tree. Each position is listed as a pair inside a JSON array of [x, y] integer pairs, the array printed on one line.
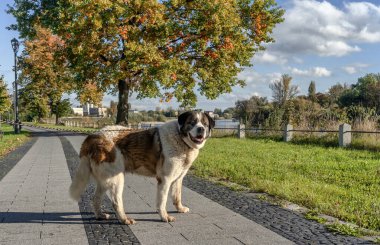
[[251, 111], [34, 102], [369, 91], [323, 99], [113, 108], [283, 91], [62, 108], [312, 92], [5, 101], [229, 113], [170, 112], [44, 68], [90, 93], [218, 112], [335, 92]]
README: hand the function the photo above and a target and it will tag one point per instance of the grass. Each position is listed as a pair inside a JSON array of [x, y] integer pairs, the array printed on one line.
[[10, 141], [344, 229], [338, 182]]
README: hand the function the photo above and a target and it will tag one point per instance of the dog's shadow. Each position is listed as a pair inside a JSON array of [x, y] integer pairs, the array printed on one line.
[[150, 219], [68, 217]]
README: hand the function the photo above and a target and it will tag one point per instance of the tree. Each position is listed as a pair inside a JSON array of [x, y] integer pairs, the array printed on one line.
[[369, 90], [335, 92], [312, 92], [283, 91], [112, 111], [366, 93], [28, 13], [34, 102], [62, 108], [156, 48], [44, 69], [251, 111], [5, 101], [218, 111], [90, 93]]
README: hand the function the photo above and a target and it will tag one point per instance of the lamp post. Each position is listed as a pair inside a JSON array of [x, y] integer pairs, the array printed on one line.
[[15, 46]]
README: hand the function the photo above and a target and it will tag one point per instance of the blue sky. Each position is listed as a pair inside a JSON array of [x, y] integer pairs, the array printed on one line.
[[322, 41]]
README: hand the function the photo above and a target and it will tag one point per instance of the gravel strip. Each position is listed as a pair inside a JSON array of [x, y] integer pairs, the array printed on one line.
[[98, 231], [284, 222]]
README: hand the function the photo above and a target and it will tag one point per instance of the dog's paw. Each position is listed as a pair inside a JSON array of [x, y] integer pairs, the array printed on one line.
[[128, 221], [183, 209], [168, 218]]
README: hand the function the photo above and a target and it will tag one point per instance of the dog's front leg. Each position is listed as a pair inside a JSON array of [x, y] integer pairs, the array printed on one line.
[[163, 187], [177, 194]]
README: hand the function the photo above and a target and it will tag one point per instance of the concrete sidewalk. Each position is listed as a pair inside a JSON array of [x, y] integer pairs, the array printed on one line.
[[35, 209], [34, 206]]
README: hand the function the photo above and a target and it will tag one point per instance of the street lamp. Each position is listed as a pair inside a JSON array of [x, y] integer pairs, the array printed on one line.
[[15, 46]]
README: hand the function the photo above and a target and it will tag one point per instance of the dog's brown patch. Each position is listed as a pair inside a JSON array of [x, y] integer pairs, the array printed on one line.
[[142, 151], [98, 148]]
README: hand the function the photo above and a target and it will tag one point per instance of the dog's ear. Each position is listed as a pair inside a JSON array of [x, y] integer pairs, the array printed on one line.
[[210, 120], [182, 118]]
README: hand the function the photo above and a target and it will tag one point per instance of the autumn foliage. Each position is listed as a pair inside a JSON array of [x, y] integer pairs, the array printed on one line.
[[157, 48]]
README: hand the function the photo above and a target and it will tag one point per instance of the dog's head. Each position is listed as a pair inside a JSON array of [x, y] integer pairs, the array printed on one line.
[[195, 127]]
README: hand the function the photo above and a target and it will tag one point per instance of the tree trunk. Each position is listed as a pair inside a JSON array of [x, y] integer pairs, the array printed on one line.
[[56, 114], [122, 106]]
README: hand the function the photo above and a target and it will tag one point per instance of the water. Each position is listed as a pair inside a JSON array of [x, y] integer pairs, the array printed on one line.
[[226, 123]]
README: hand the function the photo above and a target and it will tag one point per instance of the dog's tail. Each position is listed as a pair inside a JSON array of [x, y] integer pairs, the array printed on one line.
[[81, 178]]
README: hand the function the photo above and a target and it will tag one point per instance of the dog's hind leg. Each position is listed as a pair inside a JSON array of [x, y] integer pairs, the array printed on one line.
[[116, 191], [97, 202]]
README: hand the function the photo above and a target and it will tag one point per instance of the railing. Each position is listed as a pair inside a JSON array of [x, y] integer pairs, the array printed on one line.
[[344, 132]]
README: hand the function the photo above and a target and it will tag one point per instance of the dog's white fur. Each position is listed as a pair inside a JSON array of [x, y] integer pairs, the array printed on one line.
[[178, 153]]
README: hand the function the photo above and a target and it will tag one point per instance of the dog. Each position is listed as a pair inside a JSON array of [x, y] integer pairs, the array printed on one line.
[[166, 153]]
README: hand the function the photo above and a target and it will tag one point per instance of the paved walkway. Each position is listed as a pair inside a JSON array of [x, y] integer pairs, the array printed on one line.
[[35, 208]]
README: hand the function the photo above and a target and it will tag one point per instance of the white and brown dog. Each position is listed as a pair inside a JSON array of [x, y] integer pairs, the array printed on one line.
[[166, 153]]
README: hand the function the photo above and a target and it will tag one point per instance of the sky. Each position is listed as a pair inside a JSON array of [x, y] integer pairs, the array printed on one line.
[[327, 42]]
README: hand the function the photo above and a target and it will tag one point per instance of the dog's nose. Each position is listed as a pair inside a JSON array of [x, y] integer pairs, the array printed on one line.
[[200, 130]]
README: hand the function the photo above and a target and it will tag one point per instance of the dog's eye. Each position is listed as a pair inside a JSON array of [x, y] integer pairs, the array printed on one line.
[[193, 122]]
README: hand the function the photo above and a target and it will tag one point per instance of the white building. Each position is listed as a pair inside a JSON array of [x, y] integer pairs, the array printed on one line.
[[90, 110]]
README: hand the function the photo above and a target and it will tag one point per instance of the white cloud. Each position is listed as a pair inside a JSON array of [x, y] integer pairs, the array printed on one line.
[[318, 27], [267, 57], [350, 69], [299, 72], [313, 72], [321, 72], [354, 68]]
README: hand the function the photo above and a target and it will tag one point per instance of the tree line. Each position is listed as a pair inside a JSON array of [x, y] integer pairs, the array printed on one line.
[[357, 104], [158, 49]]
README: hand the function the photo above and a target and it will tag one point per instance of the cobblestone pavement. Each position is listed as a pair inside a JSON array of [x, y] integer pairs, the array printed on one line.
[[35, 208]]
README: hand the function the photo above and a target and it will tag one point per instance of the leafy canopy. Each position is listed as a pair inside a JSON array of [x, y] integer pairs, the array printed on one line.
[[165, 48], [5, 100]]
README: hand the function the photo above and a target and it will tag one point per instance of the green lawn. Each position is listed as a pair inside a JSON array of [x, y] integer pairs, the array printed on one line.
[[338, 182], [10, 141]]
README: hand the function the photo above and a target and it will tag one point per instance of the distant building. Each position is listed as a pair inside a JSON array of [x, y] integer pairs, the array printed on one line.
[[132, 111], [89, 110], [78, 111]]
